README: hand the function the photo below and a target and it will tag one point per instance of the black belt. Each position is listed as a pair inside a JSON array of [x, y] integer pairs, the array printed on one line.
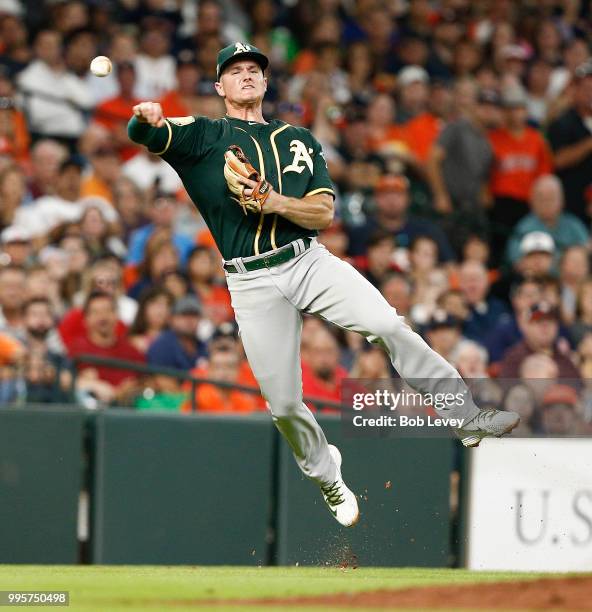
[[271, 258]]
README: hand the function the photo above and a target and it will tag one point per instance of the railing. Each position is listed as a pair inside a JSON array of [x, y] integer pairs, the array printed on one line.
[[182, 375]]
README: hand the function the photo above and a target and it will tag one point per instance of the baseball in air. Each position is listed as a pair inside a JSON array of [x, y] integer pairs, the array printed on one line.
[[101, 66]]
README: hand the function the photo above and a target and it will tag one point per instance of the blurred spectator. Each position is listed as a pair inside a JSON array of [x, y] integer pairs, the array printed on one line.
[[55, 98], [100, 236], [14, 134], [384, 135], [70, 17], [575, 53], [371, 364], [210, 23], [506, 332], [80, 49], [78, 257], [397, 291], [162, 214], [104, 171], [453, 302], [47, 157], [322, 374], [282, 45], [114, 113], [540, 327], [538, 371], [155, 67], [547, 216], [429, 281], [460, 162], [335, 239], [223, 366], [423, 129], [47, 371], [179, 347], [129, 203], [414, 92], [584, 356], [12, 297], [363, 167], [175, 282], [519, 398], [202, 268], [471, 360], [15, 246], [574, 269], [161, 258], [105, 276], [12, 354], [559, 411], [12, 194], [538, 82], [571, 142], [146, 170], [520, 156], [443, 334], [49, 211], [107, 384], [153, 316], [583, 314], [485, 311], [184, 100], [41, 284], [16, 52], [379, 260], [227, 336], [392, 199], [536, 255], [477, 249]]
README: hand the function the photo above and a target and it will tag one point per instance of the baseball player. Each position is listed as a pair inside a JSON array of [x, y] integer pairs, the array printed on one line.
[[264, 191]]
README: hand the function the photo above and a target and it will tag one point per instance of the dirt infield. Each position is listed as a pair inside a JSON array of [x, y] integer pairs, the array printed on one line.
[[570, 593]]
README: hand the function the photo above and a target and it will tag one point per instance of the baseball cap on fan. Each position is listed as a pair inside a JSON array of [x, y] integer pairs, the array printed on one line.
[[537, 242], [238, 52], [412, 74]]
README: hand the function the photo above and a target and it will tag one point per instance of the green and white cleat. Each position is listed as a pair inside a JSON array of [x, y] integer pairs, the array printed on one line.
[[342, 503], [488, 423]]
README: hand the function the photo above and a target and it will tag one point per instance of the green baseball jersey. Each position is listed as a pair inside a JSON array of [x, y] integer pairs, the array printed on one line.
[[288, 157]]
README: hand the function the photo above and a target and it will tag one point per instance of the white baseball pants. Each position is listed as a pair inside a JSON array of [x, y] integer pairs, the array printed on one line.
[[268, 305]]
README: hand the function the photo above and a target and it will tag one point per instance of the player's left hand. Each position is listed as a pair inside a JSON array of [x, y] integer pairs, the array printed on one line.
[[244, 181]]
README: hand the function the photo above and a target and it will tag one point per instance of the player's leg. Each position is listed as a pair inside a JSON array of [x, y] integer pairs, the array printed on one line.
[[333, 289], [270, 329]]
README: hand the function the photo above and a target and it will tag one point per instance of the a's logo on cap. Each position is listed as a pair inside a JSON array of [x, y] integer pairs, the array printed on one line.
[[241, 48]]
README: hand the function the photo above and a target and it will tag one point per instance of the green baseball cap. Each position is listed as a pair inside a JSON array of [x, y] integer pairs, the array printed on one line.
[[239, 51]]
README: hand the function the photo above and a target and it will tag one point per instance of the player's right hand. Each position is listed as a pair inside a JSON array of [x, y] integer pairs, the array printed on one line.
[[149, 112]]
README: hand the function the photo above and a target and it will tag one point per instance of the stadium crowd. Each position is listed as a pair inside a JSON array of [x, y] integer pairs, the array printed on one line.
[[458, 135]]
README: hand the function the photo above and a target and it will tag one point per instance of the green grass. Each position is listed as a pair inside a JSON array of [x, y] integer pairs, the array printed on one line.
[[115, 588]]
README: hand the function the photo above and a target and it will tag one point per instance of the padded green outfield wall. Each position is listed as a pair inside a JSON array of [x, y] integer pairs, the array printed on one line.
[[172, 488], [404, 490], [41, 471], [197, 489]]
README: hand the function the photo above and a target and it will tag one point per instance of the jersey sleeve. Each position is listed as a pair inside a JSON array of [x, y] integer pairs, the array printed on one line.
[[320, 182], [179, 139]]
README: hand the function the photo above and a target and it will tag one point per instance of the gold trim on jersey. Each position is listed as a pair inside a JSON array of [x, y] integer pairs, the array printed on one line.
[[262, 170], [168, 144], [319, 190], [279, 173]]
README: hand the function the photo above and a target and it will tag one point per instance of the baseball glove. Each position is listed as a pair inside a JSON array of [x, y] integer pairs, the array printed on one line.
[[238, 165]]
